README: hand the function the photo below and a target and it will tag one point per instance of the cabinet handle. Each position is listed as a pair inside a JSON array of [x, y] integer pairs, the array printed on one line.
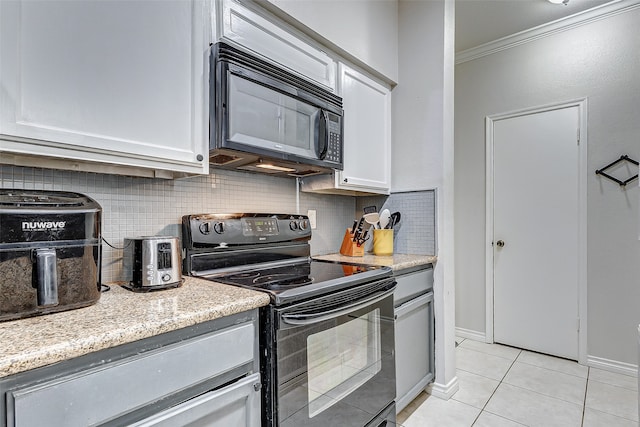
[[199, 157], [346, 180]]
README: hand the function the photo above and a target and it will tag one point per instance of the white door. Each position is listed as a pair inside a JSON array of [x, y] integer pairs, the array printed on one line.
[[535, 212]]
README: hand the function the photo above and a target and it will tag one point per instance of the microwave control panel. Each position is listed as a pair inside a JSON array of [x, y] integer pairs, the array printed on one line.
[[334, 148]]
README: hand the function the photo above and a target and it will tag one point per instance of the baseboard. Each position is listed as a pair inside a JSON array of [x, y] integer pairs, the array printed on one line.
[[613, 366], [472, 335], [443, 391]]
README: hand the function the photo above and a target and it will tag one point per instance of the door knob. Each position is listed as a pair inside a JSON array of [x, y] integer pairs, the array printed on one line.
[[500, 243]]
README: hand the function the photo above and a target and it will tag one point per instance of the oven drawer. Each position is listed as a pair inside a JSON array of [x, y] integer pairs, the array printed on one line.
[[103, 393]]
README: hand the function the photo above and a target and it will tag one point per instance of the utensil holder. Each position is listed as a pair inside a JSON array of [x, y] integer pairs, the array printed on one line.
[[383, 241], [349, 247]]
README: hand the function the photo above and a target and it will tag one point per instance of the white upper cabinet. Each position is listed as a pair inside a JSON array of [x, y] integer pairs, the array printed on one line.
[[367, 138], [365, 32], [114, 82], [277, 42]]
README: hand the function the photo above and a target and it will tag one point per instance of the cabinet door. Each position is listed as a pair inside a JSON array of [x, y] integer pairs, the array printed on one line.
[[237, 404], [119, 82], [277, 44], [367, 133], [414, 348]]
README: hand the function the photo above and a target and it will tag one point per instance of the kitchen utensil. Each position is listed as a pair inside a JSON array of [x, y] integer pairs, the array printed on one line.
[[50, 252], [395, 219], [370, 209], [372, 218], [385, 216], [364, 237], [152, 262], [358, 231]]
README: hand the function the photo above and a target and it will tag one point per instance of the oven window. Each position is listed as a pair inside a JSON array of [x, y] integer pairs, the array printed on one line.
[[341, 359]]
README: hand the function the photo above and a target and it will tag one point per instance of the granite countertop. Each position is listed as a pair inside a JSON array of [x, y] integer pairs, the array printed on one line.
[[119, 317], [397, 262]]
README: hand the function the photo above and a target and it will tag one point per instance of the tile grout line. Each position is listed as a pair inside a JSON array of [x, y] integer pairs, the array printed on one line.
[[494, 392], [586, 389]]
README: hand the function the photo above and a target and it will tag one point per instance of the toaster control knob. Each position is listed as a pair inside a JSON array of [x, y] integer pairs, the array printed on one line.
[[166, 277], [205, 228], [293, 225], [218, 227]]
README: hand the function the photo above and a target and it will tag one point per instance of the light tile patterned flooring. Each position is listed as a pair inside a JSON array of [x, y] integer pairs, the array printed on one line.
[[502, 386]]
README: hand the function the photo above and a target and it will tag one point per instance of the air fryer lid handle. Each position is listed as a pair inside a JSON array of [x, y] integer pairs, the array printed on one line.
[[46, 276]]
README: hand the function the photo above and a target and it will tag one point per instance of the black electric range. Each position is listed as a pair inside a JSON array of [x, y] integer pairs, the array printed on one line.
[[326, 338], [266, 252]]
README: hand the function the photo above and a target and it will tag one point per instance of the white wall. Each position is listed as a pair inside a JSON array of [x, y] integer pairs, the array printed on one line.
[[600, 61], [422, 149], [367, 30], [418, 99]]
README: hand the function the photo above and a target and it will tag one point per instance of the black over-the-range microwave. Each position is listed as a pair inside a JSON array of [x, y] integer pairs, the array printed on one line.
[[264, 118]]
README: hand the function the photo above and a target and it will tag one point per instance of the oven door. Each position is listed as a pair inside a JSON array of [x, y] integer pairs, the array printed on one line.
[[335, 363]]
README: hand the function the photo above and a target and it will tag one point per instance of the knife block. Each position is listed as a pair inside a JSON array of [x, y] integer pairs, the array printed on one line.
[[349, 247]]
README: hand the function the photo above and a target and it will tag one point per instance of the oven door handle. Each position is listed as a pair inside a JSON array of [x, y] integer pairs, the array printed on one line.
[[310, 319]]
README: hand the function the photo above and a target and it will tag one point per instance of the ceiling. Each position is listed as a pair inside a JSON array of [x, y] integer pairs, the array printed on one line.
[[482, 21]]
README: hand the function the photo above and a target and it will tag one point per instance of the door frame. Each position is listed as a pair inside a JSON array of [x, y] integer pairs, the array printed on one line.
[[581, 103]]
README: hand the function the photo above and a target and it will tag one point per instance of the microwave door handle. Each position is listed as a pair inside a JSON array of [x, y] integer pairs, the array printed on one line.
[[322, 141], [310, 319]]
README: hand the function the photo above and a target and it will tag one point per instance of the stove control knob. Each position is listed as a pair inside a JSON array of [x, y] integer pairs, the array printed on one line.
[[205, 228], [293, 225], [304, 224], [218, 227]]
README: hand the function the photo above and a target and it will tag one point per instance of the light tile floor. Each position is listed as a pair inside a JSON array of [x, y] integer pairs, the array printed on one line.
[[502, 386]]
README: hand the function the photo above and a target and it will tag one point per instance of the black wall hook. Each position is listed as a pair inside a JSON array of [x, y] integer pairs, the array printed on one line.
[[621, 159]]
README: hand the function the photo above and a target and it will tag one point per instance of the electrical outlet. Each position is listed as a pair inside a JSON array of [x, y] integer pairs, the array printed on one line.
[[311, 213]]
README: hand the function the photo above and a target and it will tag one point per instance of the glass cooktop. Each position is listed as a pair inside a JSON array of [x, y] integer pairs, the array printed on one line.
[[304, 279]]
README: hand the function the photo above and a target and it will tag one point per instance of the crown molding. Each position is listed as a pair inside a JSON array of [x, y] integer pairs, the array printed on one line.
[[545, 30]]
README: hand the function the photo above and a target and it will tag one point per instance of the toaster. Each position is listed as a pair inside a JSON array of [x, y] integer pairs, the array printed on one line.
[[152, 263]]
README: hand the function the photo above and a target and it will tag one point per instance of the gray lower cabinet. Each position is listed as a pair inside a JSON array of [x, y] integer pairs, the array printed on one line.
[[234, 405], [413, 300], [205, 375]]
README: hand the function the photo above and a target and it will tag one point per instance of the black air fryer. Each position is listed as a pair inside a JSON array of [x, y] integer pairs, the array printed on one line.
[[50, 251]]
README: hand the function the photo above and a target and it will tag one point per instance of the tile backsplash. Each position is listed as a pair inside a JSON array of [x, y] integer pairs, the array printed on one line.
[[416, 232], [134, 206], [147, 206]]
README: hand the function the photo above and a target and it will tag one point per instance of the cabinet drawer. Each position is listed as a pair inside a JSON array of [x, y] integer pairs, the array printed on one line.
[[108, 391], [237, 404], [413, 284]]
